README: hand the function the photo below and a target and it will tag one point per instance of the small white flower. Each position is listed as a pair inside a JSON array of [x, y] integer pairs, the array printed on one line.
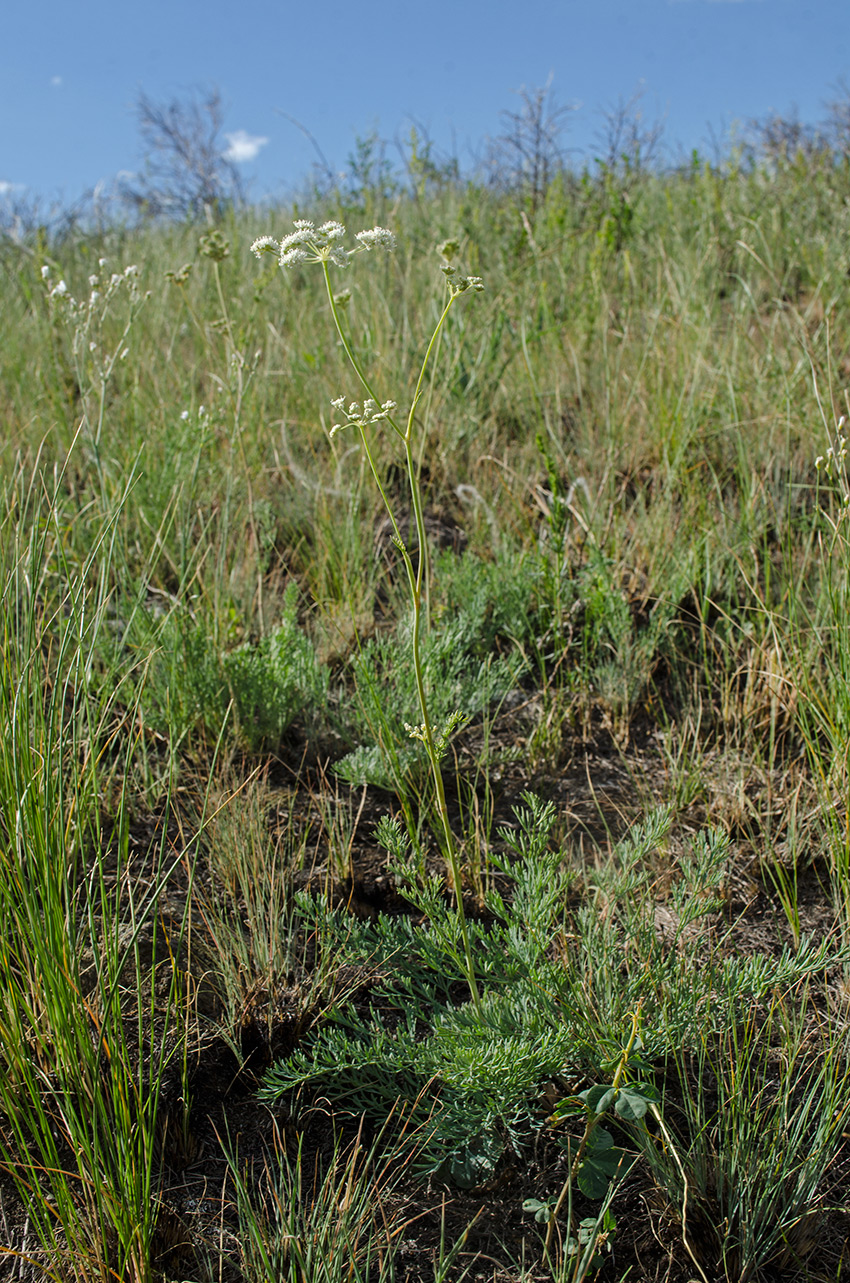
[[60, 289], [301, 236], [45, 272], [132, 270], [202, 409], [184, 416], [359, 417], [265, 245], [332, 230], [375, 237], [93, 281], [341, 257], [101, 262], [291, 257], [304, 225], [95, 295], [114, 279]]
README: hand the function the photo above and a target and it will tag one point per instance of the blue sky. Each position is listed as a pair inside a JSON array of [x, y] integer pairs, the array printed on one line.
[[71, 72]]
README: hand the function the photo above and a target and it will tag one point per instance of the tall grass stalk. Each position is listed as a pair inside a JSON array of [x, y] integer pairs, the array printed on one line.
[[341, 1224]]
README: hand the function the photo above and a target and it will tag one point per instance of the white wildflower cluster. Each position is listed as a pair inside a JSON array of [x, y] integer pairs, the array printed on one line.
[[311, 244], [360, 416], [85, 317], [834, 462], [376, 238], [101, 288]]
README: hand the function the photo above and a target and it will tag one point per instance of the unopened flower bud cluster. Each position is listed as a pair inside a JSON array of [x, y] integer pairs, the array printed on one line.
[[458, 283], [358, 416], [311, 244]]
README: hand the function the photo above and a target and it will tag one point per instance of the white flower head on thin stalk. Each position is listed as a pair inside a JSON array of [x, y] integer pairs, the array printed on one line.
[[265, 245], [358, 416], [311, 244], [376, 238]]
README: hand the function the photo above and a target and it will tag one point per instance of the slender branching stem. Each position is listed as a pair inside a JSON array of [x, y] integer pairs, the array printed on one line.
[[417, 581]]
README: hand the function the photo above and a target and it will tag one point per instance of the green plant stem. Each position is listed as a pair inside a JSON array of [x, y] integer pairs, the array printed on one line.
[[415, 581], [590, 1126]]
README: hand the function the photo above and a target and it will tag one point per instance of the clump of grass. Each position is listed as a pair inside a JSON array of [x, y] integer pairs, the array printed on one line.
[[754, 1119], [342, 1222], [83, 1064]]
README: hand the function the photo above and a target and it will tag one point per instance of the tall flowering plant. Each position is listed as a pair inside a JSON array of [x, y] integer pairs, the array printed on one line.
[[325, 245]]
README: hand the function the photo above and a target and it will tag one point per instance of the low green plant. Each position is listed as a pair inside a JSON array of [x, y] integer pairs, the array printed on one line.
[[263, 685], [471, 1079], [558, 984], [595, 1163], [386, 694]]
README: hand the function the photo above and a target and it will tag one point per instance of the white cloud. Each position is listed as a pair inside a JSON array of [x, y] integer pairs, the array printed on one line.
[[56, 82], [243, 146], [6, 188]]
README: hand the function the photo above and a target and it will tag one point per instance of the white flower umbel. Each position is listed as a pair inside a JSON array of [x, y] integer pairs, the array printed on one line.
[[265, 245], [311, 244], [376, 238], [358, 416]]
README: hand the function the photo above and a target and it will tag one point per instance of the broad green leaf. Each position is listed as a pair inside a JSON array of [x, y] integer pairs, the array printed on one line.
[[598, 1170], [542, 1211], [599, 1141], [598, 1098], [632, 1103]]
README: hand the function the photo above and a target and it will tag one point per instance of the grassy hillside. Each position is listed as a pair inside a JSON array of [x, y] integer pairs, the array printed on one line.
[[283, 996]]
